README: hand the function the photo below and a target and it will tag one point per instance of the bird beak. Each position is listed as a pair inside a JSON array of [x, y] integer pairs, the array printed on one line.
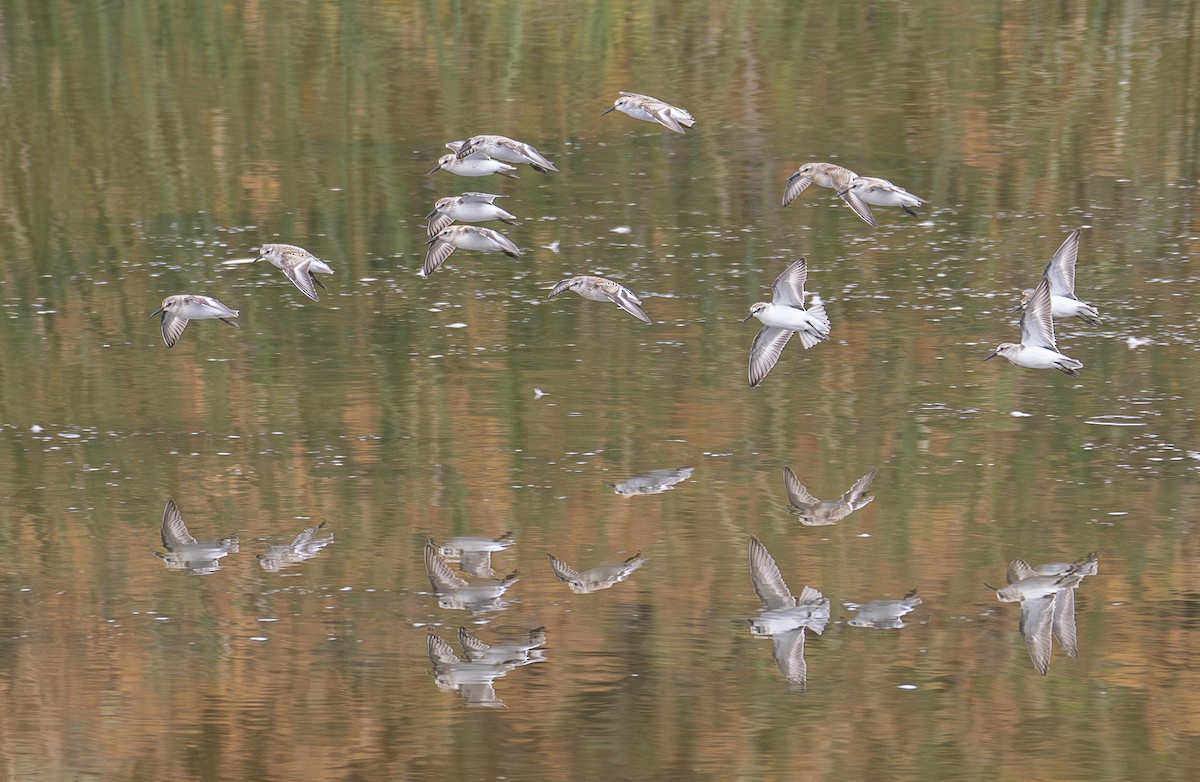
[[991, 355], [748, 317], [1019, 307], [842, 194], [610, 108], [431, 214], [157, 312], [989, 586], [435, 169]]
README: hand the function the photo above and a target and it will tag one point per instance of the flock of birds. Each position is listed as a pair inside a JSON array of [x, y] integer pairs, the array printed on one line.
[[1046, 592]]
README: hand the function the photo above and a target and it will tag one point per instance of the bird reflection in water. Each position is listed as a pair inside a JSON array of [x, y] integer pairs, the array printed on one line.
[[653, 482], [814, 512], [885, 614], [184, 552], [784, 618], [306, 546], [1047, 597], [456, 593], [473, 676], [474, 553], [599, 577]]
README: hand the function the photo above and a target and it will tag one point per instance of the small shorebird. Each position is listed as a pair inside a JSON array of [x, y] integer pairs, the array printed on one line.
[[1047, 597], [600, 289], [653, 482], [783, 316], [184, 552], [1061, 273], [466, 208], [828, 175], [474, 164], [455, 592], [298, 264], [177, 310], [468, 237], [474, 553], [506, 149], [1037, 349], [597, 578], [474, 680], [784, 617], [650, 109], [814, 512], [502, 652], [885, 614], [879, 192], [306, 546]]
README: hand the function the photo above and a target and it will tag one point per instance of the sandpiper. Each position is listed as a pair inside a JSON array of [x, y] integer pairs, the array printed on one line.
[[784, 617], [1037, 349], [880, 192], [455, 592], [184, 552], [474, 552], [506, 149], [650, 109], [474, 164], [1047, 597], [826, 175], [468, 237], [600, 289], [597, 578], [653, 482], [783, 316], [814, 512], [466, 208], [885, 614], [506, 651], [177, 310], [1061, 273], [298, 264], [306, 546]]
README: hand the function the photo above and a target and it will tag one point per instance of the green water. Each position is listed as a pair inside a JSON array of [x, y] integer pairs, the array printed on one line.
[[142, 144]]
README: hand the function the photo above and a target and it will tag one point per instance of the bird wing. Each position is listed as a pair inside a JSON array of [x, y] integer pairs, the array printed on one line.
[[1064, 622], [439, 650], [439, 250], [479, 198], [859, 206], [562, 571], [472, 646], [796, 184], [302, 278], [788, 651], [477, 563], [788, 288], [765, 351], [797, 494], [437, 222], [172, 326], [174, 531], [662, 114], [1019, 570], [1061, 268], [626, 300], [441, 576], [768, 581], [860, 487], [1037, 619], [1037, 325]]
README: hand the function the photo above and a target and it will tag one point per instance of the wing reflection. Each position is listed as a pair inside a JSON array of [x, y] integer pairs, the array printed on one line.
[[784, 617], [473, 676], [306, 546], [814, 512], [599, 577], [885, 614], [456, 593], [474, 553], [184, 552], [1047, 597], [653, 482]]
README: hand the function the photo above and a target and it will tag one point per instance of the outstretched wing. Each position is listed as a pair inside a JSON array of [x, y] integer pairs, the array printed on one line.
[[788, 288], [768, 581], [1037, 325], [768, 345], [1061, 268]]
